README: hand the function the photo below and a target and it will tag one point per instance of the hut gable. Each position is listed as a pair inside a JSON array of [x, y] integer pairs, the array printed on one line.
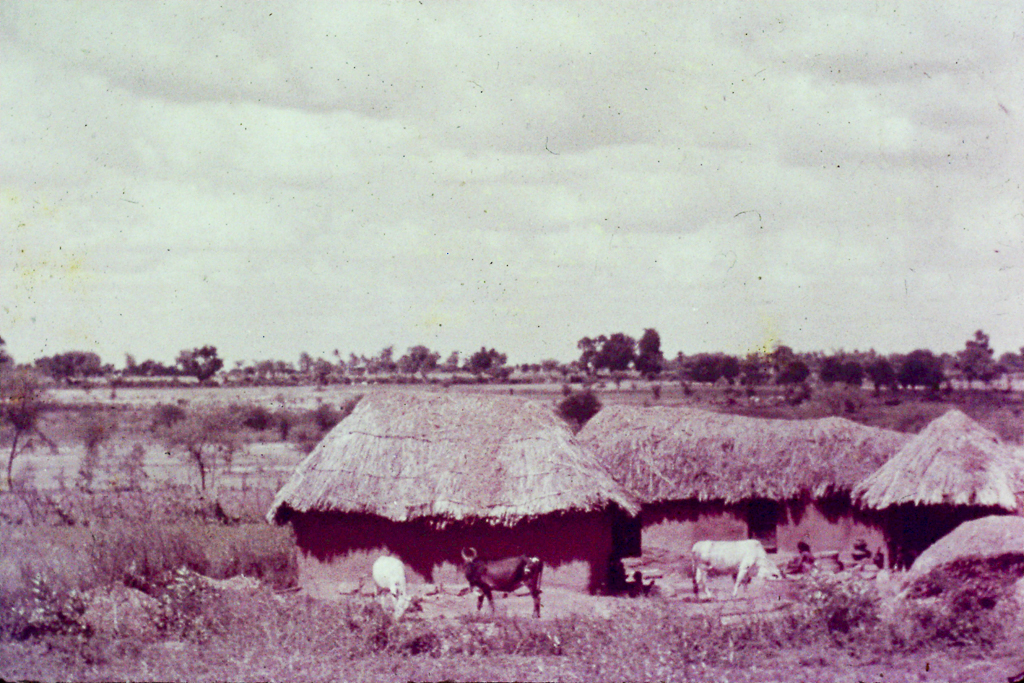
[[953, 461], [449, 457], [664, 454]]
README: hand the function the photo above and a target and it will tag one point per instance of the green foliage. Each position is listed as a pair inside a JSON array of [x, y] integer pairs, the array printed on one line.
[[921, 369], [793, 372], [201, 363], [848, 609], [189, 608], [579, 407], [167, 415], [206, 439], [649, 360], [21, 404], [976, 360], [51, 609], [70, 365]]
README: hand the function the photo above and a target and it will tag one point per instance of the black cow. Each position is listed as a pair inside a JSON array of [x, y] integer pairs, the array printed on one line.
[[503, 575]]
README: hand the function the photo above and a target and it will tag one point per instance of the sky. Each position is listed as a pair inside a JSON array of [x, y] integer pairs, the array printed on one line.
[[279, 178]]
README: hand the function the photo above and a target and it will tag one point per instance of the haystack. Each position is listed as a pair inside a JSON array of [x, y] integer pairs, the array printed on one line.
[[985, 537], [953, 461], [714, 475], [424, 475]]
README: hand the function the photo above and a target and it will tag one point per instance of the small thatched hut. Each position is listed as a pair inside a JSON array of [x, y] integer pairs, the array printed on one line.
[[423, 476], [953, 471], [705, 475]]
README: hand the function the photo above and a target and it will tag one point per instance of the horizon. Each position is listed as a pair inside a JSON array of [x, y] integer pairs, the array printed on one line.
[[304, 178]]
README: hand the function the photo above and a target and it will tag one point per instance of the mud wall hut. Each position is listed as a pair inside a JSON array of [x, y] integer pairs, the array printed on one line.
[[953, 471], [422, 476], [705, 475]]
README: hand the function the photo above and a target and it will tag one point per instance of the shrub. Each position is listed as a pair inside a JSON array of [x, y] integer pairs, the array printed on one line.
[[849, 610], [52, 609], [579, 407], [189, 608], [257, 418], [165, 415]]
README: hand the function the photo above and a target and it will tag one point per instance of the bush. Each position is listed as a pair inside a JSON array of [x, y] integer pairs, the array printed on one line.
[[848, 609], [165, 415], [578, 408]]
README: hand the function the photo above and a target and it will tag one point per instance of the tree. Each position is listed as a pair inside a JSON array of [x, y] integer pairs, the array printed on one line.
[[882, 374], [204, 439], [852, 373], [486, 360], [419, 359], [202, 363], [5, 358], [588, 351], [753, 370], [921, 369], [793, 372], [976, 360], [616, 352], [64, 367], [451, 364], [831, 370], [704, 367], [649, 360], [20, 405], [729, 367]]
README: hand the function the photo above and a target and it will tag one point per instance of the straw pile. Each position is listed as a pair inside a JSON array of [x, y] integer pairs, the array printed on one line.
[[663, 454], [449, 457], [985, 537], [953, 461]]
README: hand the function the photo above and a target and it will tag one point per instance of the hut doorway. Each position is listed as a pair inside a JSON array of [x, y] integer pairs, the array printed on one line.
[[763, 522]]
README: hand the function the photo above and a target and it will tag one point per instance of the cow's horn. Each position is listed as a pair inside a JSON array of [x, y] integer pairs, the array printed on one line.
[[467, 556]]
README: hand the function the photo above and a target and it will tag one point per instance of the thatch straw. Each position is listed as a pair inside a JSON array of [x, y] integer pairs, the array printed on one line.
[[953, 461], [450, 457], [664, 454]]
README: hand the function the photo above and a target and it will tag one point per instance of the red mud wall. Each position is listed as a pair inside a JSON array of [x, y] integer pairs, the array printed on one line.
[[340, 549], [671, 529]]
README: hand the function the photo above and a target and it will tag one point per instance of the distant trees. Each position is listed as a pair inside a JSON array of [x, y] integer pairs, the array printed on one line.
[[419, 359], [487, 361], [71, 365], [881, 374], [921, 369], [710, 367], [201, 363], [614, 353], [976, 361], [837, 369], [649, 361]]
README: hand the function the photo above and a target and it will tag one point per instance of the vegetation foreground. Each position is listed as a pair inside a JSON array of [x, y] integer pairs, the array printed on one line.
[[137, 603]]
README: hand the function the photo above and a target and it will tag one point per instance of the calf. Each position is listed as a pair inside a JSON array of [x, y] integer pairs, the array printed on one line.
[[389, 575], [728, 557], [503, 575]]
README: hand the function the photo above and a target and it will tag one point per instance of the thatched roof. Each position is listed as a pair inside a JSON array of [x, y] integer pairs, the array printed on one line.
[[663, 454], [405, 456], [953, 461]]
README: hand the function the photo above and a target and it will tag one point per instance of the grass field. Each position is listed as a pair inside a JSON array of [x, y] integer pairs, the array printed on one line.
[[106, 514]]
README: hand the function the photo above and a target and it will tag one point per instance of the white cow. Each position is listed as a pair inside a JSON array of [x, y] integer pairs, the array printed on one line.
[[389, 575], [730, 557]]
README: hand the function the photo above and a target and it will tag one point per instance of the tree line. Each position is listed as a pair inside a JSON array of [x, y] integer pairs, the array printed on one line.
[[615, 355]]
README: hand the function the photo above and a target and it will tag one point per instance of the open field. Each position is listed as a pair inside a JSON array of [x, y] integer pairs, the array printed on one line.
[[74, 543]]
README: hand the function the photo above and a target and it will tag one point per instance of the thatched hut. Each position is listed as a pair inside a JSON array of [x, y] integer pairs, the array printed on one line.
[[422, 476], [705, 475], [953, 471]]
